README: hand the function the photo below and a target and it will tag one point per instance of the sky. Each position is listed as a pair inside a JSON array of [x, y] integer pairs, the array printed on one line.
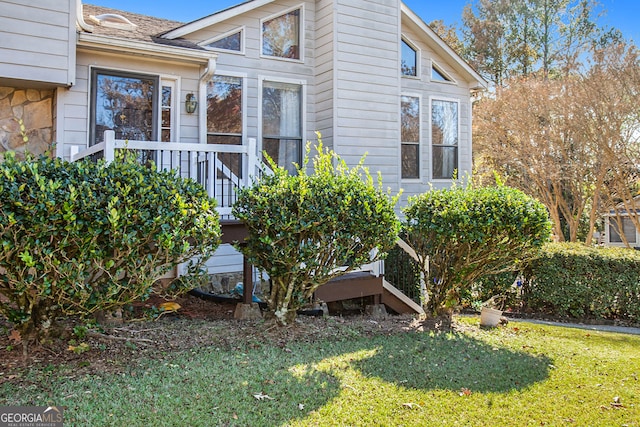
[[621, 14]]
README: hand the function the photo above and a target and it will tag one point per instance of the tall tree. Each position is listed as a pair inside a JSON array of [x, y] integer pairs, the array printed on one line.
[[507, 38], [448, 33], [571, 142]]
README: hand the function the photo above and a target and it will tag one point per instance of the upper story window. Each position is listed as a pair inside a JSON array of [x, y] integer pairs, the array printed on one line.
[[282, 123], [438, 75], [124, 102], [409, 60], [444, 138], [281, 35], [410, 135], [229, 41]]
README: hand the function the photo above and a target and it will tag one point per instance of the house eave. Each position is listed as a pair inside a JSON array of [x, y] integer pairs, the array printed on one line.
[[478, 83], [110, 44]]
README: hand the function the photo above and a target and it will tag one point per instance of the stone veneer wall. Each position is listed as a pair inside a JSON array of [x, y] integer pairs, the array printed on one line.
[[35, 108]]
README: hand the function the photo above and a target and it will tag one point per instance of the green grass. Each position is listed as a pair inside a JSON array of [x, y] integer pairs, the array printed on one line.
[[518, 375]]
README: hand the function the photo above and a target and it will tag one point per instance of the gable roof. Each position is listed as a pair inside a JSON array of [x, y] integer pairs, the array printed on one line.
[[478, 82]]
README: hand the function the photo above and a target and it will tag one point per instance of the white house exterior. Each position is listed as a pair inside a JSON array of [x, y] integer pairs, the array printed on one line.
[[369, 75]]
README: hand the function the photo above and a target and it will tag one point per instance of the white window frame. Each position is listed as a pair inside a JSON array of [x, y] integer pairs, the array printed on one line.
[[243, 77], [303, 113], [174, 83], [418, 51], [117, 70], [434, 64], [301, 35], [204, 44], [430, 112], [420, 139]]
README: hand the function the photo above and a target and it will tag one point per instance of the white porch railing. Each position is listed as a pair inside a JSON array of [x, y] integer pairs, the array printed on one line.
[[222, 169]]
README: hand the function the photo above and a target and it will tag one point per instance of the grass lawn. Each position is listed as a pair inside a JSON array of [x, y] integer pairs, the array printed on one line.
[[517, 375]]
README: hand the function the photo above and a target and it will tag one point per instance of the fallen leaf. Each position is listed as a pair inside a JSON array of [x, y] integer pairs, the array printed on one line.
[[15, 336], [235, 416], [262, 396], [411, 405], [169, 307]]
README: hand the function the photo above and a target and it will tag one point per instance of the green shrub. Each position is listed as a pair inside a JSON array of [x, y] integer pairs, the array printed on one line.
[[499, 285], [570, 279], [304, 228], [80, 237], [463, 234]]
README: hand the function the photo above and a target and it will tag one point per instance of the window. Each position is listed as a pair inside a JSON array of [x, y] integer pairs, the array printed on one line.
[[231, 42], [409, 61], [410, 135], [124, 102], [281, 36], [282, 123], [444, 138], [224, 117], [167, 112], [439, 76], [628, 229]]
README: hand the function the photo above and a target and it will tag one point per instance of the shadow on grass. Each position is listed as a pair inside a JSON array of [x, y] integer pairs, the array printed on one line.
[[261, 382], [452, 362]]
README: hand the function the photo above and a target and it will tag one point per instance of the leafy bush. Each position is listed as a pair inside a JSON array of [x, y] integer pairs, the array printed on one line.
[[576, 280], [489, 287], [462, 234], [304, 228], [80, 237]]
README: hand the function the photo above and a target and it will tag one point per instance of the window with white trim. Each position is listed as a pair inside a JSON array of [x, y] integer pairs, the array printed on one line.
[[409, 59], [167, 111], [439, 76], [282, 123], [225, 117], [124, 102], [281, 35], [410, 136], [444, 138], [230, 41]]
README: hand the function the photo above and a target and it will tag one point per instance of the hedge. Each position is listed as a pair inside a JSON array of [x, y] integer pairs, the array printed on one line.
[[570, 279]]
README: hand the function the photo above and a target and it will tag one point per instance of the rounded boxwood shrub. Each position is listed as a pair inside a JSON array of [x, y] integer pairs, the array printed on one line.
[[305, 229], [84, 236], [463, 234]]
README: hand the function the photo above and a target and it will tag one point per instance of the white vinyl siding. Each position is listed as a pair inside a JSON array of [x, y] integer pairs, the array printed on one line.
[[367, 85], [38, 43]]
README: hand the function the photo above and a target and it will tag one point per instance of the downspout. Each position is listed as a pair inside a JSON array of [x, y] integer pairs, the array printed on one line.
[[80, 19]]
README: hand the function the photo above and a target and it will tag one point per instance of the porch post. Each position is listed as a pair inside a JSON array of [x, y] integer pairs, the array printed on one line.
[[252, 160], [109, 145], [247, 281]]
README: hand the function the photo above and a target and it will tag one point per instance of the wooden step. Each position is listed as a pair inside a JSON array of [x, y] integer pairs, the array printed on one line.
[[393, 298], [351, 285]]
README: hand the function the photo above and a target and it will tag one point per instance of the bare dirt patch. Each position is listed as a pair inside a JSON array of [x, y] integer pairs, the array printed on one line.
[[197, 324]]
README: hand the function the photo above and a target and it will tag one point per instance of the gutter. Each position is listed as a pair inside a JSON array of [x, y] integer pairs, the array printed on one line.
[[121, 46]]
